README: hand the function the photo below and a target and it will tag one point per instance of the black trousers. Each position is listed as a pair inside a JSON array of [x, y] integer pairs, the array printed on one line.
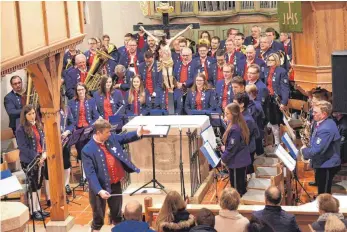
[[250, 168], [272, 111], [35, 176], [98, 206], [79, 146], [324, 178], [66, 157], [241, 181]]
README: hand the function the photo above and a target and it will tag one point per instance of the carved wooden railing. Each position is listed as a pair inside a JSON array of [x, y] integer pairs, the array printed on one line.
[[215, 8]]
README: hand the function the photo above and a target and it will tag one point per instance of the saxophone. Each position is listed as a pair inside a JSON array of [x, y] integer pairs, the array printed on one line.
[[32, 96], [305, 132]]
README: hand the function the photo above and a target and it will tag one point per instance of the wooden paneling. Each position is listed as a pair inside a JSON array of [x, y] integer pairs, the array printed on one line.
[[32, 26], [74, 21], [56, 23], [9, 31]]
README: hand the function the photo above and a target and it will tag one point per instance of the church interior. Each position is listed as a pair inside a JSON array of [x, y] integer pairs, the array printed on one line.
[[173, 116]]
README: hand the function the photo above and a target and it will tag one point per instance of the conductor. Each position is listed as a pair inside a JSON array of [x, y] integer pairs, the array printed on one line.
[[105, 166]]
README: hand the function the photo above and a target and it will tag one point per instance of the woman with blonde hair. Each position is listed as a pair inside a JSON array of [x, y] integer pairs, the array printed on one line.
[[137, 98], [173, 215], [334, 224], [228, 214], [200, 99], [235, 151]]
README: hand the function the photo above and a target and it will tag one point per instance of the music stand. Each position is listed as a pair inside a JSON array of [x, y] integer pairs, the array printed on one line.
[[155, 132]]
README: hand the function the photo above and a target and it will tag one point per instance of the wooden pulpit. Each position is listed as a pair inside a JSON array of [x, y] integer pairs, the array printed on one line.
[[324, 31], [35, 35]]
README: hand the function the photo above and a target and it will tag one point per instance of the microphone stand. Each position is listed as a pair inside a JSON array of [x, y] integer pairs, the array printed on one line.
[[183, 190]]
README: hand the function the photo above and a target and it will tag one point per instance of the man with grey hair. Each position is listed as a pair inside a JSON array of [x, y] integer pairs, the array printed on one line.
[[133, 219], [75, 75], [253, 39], [122, 78], [265, 48], [243, 65], [185, 71]]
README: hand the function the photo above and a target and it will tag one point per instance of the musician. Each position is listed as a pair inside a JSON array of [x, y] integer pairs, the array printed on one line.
[[203, 63], [253, 77], [30, 140], [122, 78], [238, 41], [243, 101], [287, 44], [231, 35], [324, 149], [271, 35], [176, 50], [150, 46], [265, 48], [254, 38], [224, 93], [98, 43], [235, 151], [124, 49], [185, 71], [108, 100], [216, 69], [69, 57], [67, 125], [243, 65], [132, 59], [200, 99], [112, 50], [75, 75], [106, 165], [151, 76], [84, 112], [215, 43], [14, 101], [252, 91], [232, 56], [162, 99], [90, 54], [276, 80], [137, 98], [341, 121], [141, 38]]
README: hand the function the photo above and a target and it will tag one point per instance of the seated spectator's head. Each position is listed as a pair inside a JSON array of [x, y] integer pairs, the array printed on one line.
[[256, 225], [252, 91], [133, 211], [205, 217], [230, 199], [334, 224], [273, 196], [327, 203]]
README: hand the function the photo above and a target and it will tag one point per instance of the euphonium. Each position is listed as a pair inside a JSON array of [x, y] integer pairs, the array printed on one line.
[[95, 72], [305, 132], [32, 96]]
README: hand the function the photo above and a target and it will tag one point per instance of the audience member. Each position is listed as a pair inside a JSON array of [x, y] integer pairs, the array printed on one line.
[[334, 224], [327, 206], [256, 225], [228, 214], [173, 215], [274, 215], [205, 221]]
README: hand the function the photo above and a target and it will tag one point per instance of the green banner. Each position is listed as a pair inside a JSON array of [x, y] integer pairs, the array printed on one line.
[[289, 16]]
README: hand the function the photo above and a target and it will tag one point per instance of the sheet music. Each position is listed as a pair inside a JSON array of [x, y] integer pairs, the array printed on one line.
[[208, 135], [289, 128], [213, 156], [291, 146], [288, 161], [157, 130], [12, 185]]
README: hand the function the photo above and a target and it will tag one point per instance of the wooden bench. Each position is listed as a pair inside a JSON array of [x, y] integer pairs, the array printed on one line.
[[304, 215]]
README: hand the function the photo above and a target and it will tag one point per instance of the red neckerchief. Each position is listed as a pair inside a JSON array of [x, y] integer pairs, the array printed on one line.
[[37, 139], [135, 102], [246, 70], [198, 100], [269, 79], [134, 60]]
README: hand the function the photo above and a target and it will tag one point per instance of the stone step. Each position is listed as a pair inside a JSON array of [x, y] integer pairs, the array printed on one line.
[[259, 183]]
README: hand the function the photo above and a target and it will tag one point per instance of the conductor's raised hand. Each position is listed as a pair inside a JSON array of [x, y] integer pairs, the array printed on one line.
[[141, 131], [190, 27], [104, 194]]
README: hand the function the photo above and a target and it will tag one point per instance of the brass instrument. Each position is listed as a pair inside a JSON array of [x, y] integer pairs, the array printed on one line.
[[32, 96], [95, 72], [285, 111], [305, 132]]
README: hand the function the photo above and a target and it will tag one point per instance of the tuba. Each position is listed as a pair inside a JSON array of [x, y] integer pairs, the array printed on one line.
[[96, 70], [32, 96]]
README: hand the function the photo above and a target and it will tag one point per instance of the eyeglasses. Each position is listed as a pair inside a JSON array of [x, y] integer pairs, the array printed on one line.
[[270, 60]]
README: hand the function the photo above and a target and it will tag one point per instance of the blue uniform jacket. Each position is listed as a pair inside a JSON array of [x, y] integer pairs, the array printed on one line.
[[90, 108], [116, 100], [66, 121], [280, 83], [94, 161], [67, 57], [263, 92], [161, 104], [207, 99], [249, 40], [137, 36], [176, 57], [144, 108], [260, 118], [324, 150], [212, 74], [277, 46], [157, 78], [236, 154], [240, 68], [72, 77], [219, 95], [126, 79], [237, 59], [122, 50], [192, 72], [124, 59], [289, 48], [13, 106], [253, 130], [265, 54], [132, 226], [199, 69], [27, 145], [110, 66]]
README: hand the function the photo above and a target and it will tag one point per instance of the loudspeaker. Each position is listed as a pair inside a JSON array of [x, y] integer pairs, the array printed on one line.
[[339, 74]]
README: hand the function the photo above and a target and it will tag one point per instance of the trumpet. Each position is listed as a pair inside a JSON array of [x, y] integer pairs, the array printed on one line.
[[278, 102]]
